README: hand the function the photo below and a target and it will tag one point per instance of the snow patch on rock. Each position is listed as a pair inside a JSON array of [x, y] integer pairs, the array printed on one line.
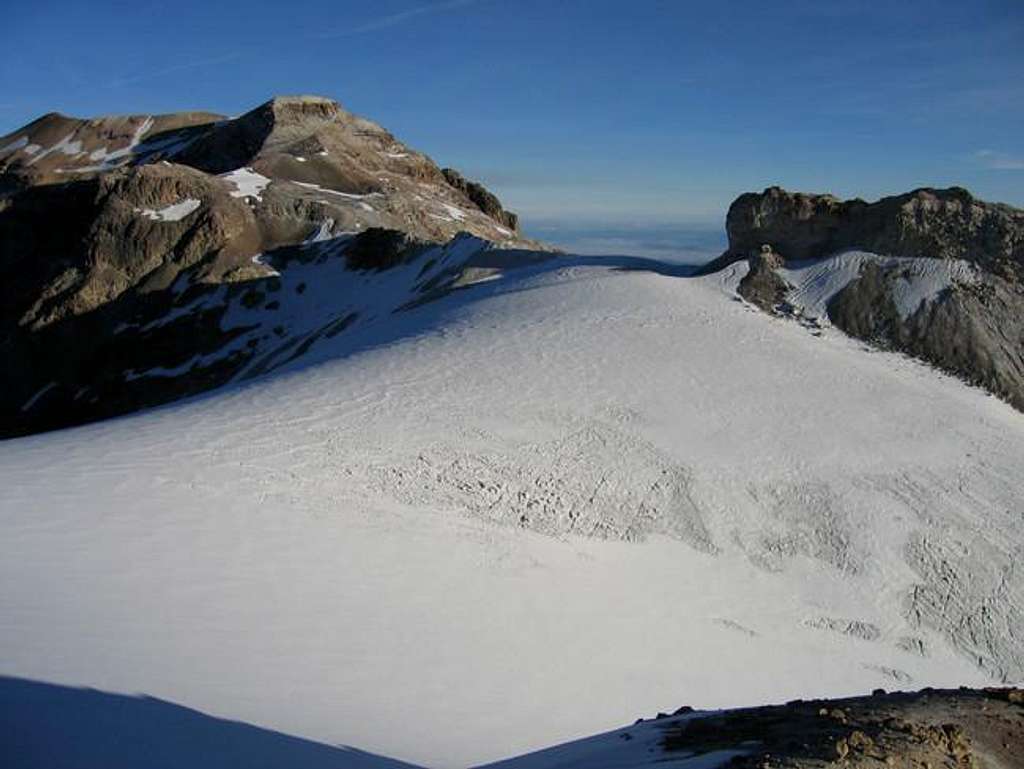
[[247, 183], [816, 282], [68, 146], [172, 213], [14, 146], [339, 193]]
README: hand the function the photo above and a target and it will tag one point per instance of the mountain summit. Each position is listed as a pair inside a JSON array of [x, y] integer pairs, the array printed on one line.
[[317, 159], [148, 243]]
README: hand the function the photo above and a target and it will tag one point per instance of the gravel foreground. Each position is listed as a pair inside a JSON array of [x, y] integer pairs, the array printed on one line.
[[931, 728]]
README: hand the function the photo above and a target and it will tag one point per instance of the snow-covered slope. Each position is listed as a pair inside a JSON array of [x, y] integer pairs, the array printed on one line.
[[816, 282], [525, 512]]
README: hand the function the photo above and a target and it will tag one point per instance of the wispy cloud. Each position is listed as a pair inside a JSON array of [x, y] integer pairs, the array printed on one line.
[[171, 70], [999, 161], [395, 19], [372, 25]]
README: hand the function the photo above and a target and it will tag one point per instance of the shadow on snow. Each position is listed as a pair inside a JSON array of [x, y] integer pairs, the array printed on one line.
[[47, 726]]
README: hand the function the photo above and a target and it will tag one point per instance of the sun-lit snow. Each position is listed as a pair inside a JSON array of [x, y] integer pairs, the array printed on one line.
[[531, 510], [112, 158], [247, 183], [20, 143], [172, 213], [324, 231], [67, 146], [816, 282], [339, 193], [454, 212], [259, 260]]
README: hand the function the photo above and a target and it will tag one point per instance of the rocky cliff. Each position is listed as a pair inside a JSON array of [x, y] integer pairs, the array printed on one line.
[[126, 242], [934, 273], [928, 223]]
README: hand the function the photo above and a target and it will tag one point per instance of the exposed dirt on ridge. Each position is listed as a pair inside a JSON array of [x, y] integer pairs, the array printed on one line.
[[951, 729]]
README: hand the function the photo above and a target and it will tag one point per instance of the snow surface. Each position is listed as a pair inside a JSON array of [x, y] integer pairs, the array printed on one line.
[[67, 146], [457, 214], [172, 213], [526, 512], [339, 193], [815, 282], [105, 158], [626, 748], [112, 158], [14, 146], [248, 183], [324, 231]]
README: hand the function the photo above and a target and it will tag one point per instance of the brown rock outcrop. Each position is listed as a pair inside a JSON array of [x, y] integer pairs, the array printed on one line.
[[929, 223], [964, 728]]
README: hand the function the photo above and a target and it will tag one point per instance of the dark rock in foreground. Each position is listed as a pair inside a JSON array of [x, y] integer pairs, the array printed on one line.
[[965, 728]]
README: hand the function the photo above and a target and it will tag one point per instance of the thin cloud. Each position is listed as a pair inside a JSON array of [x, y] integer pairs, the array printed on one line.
[[373, 25], [395, 19], [173, 69], [999, 161]]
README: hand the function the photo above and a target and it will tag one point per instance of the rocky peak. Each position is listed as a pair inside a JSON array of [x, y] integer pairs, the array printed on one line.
[[292, 108], [125, 240], [320, 161], [231, 144], [481, 198], [931, 223]]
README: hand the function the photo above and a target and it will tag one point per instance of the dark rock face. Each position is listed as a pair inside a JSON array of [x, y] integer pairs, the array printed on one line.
[[112, 228], [762, 285], [484, 200], [972, 329], [379, 249], [975, 331], [235, 143]]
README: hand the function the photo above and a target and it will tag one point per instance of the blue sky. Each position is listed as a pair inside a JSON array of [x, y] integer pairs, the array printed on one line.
[[640, 114]]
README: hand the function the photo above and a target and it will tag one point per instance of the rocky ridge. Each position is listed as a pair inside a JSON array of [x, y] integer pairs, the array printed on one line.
[[112, 228], [963, 311], [965, 729]]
